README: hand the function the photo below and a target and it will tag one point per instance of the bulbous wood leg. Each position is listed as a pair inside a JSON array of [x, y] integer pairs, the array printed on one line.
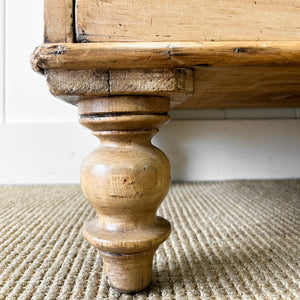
[[125, 180]]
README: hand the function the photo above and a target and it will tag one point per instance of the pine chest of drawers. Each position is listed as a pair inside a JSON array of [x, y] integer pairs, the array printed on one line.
[[126, 64]]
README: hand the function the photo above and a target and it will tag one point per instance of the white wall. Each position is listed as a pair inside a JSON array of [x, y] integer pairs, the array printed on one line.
[[2, 58], [27, 98], [41, 141], [198, 150]]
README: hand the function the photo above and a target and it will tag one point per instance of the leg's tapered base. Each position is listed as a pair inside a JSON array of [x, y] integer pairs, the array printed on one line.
[[128, 272], [128, 254]]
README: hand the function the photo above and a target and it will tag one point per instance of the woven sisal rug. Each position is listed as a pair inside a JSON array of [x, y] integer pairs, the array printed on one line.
[[230, 240]]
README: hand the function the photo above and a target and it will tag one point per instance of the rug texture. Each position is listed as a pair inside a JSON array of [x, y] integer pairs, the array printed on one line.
[[230, 240]]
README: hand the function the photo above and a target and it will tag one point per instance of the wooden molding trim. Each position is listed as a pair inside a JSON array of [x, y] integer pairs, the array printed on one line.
[[132, 55], [244, 87], [74, 85]]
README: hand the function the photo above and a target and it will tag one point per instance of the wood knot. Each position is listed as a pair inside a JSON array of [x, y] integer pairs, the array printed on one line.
[[240, 50]]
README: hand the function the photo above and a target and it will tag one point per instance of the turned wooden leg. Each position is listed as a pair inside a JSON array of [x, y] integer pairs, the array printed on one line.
[[125, 180]]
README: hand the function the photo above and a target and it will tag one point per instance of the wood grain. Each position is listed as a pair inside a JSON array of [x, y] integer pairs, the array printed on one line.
[[75, 85], [164, 55], [125, 180], [58, 21], [124, 104], [215, 87], [230, 75], [123, 89], [188, 20], [245, 87]]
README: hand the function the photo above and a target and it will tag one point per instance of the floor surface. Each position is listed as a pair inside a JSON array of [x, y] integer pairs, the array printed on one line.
[[230, 240]]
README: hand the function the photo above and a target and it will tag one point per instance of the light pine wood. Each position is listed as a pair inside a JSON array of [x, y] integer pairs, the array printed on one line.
[[164, 55], [125, 180], [211, 87], [125, 64], [58, 21], [188, 20], [245, 87], [124, 104], [75, 85]]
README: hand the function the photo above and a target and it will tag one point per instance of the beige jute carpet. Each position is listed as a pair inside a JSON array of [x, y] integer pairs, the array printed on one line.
[[230, 240]]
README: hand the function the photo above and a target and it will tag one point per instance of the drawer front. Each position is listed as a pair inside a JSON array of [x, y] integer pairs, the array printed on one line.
[[189, 20]]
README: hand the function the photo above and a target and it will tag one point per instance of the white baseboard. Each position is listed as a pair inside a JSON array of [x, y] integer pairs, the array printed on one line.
[[48, 153], [232, 149]]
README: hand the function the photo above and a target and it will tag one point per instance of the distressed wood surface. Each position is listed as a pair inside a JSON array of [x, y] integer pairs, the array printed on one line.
[[189, 20], [124, 104], [164, 55], [75, 85], [211, 87], [123, 91], [245, 87], [58, 21], [125, 180]]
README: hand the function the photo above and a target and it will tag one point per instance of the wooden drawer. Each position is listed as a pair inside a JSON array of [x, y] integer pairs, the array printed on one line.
[[189, 21]]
